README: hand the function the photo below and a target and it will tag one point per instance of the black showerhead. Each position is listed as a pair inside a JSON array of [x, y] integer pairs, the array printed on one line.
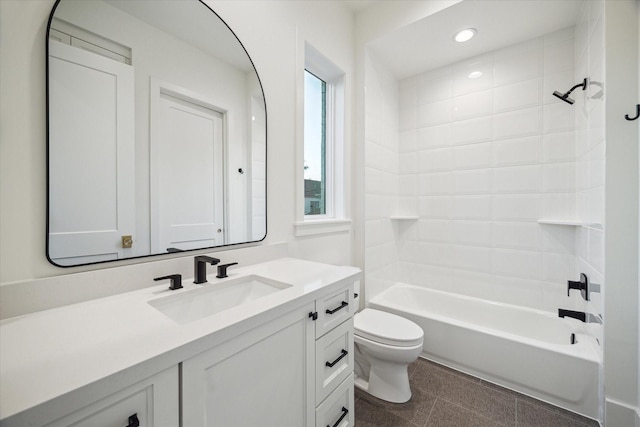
[[564, 97]]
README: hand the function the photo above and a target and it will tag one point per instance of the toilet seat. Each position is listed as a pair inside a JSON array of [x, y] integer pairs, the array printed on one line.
[[387, 328]]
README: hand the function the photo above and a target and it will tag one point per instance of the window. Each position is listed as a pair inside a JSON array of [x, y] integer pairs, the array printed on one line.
[[321, 155], [315, 145]]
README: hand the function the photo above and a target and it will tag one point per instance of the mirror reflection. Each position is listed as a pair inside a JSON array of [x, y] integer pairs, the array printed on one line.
[[157, 132]]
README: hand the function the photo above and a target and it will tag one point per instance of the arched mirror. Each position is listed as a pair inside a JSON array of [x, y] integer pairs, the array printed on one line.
[[156, 132]]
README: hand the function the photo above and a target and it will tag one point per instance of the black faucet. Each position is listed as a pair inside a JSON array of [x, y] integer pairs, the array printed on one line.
[[222, 270], [176, 281], [580, 315], [200, 267]]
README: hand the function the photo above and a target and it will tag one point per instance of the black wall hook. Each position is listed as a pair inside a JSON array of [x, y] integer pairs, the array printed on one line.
[[626, 116]]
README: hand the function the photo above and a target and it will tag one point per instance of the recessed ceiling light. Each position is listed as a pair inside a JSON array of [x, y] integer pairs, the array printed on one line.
[[475, 74], [465, 35]]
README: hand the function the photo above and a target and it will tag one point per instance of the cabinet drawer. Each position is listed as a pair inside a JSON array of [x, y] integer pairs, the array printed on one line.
[[334, 359], [152, 402], [333, 310], [338, 409]]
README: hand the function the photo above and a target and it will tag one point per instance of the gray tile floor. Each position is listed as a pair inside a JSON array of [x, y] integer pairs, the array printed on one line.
[[443, 397]]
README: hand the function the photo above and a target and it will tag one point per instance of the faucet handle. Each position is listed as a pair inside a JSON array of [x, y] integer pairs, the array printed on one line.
[[176, 281], [222, 270]]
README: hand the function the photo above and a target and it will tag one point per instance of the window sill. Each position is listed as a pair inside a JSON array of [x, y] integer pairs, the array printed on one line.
[[322, 226]]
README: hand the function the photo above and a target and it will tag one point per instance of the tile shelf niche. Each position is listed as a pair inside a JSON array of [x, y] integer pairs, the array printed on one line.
[[571, 222], [404, 217]]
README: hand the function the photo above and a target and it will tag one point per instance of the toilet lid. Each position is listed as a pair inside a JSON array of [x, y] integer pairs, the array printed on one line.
[[387, 328]]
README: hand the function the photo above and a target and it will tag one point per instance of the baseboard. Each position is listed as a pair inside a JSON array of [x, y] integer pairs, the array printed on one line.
[[619, 414]]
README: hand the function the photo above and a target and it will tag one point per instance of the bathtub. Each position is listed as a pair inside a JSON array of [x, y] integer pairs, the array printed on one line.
[[522, 349]]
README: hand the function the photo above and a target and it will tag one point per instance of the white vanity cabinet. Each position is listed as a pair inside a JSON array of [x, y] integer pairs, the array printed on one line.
[[153, 402], [282, 360], [292, 371], [260, 378], [334, 359]]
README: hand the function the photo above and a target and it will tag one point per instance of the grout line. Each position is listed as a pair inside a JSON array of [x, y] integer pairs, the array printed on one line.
[[431, 411]]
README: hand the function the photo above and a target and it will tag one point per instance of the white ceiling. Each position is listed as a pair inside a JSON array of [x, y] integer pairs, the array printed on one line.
[[428, 44]]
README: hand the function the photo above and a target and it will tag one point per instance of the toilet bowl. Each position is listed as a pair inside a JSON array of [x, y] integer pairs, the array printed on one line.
[[385, 344]]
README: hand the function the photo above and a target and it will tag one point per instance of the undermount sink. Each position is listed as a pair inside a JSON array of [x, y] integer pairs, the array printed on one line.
[[214, 297]]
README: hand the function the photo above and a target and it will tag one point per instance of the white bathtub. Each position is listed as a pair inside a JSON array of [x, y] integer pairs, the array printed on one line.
[[522, 349]]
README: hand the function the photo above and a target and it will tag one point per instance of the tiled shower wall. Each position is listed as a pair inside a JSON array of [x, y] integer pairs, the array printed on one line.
[[381, 178], [479, 162]]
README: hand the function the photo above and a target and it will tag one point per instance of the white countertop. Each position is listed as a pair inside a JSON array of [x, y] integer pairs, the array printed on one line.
[[50, 353]]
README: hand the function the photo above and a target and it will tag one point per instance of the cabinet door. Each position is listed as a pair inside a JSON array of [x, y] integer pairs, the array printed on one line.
[[263, 377], [153, 402]]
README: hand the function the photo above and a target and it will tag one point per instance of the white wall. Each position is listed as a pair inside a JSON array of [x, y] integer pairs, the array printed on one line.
[[621, 360], [268, 31]]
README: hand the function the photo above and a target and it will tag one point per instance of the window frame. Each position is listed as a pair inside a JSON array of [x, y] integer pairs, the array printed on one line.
[[334, 219]]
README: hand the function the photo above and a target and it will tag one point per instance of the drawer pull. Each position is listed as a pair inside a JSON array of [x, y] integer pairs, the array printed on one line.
[[331, 364], [345, 411], [343, 305], [133, 421]]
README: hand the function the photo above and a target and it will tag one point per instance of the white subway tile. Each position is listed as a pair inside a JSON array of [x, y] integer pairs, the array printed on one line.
[[476, 233], [378, 206], [523, 264], [558, 239], [408, 163], [408, 185], [516, 96], [519, 123], [517, 179], [474, 156], [472, 131], [559, 147], [596, 249], [436, 160], [564, 35], [433, 184], [518, 151], [524, 66], [434, 207], [462, 84], [437, 89], [434, 113], [476, 181], [471, 207], [517, 235], [519, 49], [559, 117], [408, 141], [435, 231], [596, 166], [559, 206], [473, 105], [472, 258], [559, 178], [434, 136], [558, 267], [559, 57], [522, 207]]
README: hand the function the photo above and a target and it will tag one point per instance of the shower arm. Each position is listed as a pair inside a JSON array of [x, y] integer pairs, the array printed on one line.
[[584, 85]]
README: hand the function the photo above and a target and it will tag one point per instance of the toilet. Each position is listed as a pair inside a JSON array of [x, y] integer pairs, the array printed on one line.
[[385, 344]]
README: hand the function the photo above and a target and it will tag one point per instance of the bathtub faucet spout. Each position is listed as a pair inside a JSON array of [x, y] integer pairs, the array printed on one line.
[[580, 315]]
